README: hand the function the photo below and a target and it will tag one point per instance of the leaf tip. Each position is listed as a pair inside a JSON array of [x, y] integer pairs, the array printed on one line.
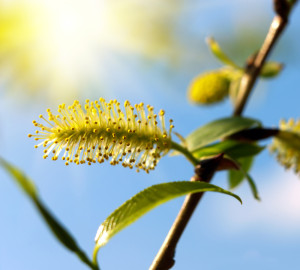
[[209, 40], [239, 199]]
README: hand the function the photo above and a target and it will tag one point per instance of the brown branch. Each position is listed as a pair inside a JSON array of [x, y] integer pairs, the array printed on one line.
[[278, 24], [165, 257]]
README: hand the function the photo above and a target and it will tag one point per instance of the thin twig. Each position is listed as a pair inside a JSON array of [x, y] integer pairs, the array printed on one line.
[[282, 9], [203, 172], [249, 78], [165, 257]]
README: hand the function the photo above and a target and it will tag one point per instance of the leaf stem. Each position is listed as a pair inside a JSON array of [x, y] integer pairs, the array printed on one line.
[[185, 152], [95, 253], [93, 265]]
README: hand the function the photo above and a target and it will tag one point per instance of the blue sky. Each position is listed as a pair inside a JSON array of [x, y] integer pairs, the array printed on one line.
[[222, 233]]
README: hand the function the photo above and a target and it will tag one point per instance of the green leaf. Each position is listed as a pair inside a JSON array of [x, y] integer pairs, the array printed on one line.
[[145, 201], [235, 177], [234, 90], [234, 149], [252, 187], [271, 69], [218, 129], [24, 182], [219, 54], [63, 236], [244, 150]]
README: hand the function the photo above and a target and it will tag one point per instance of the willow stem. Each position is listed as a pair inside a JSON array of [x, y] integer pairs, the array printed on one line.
[[278, 24], [165, 257], [95, 253], [185, 152]]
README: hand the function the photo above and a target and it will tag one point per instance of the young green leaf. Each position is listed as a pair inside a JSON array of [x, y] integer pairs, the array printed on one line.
[[252, 187], [145, 201], [63, 236], [234, 90], [219, 54], [24, 182], [234, 149], [236, 177], [218, 129], [271, 69]]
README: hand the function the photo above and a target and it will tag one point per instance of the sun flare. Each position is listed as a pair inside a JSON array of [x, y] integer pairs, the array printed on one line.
[[62, 46]]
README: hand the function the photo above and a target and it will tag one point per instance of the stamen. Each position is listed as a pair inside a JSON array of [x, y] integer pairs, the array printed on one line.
[[101, 131]]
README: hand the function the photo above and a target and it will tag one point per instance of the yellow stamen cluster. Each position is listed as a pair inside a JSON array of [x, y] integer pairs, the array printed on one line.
[[208, 88], [101, 131], [287, 145]]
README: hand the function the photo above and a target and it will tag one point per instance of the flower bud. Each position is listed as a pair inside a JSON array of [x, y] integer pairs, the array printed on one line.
[[208, 88]]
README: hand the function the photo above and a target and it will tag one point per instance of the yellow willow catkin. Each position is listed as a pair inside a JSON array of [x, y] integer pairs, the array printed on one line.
[[101, 131], [286, 145], [210, 87]]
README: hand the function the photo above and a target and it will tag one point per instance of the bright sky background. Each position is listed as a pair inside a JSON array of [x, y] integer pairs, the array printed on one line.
[[87, 55]]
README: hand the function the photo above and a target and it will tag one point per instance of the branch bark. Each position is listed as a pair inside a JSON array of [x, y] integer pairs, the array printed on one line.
[[204, 171], [252, 72], [165, 257]]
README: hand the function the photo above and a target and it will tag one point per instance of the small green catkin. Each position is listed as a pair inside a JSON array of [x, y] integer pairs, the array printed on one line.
[[286, 145], [208, 88], [101, 131]]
